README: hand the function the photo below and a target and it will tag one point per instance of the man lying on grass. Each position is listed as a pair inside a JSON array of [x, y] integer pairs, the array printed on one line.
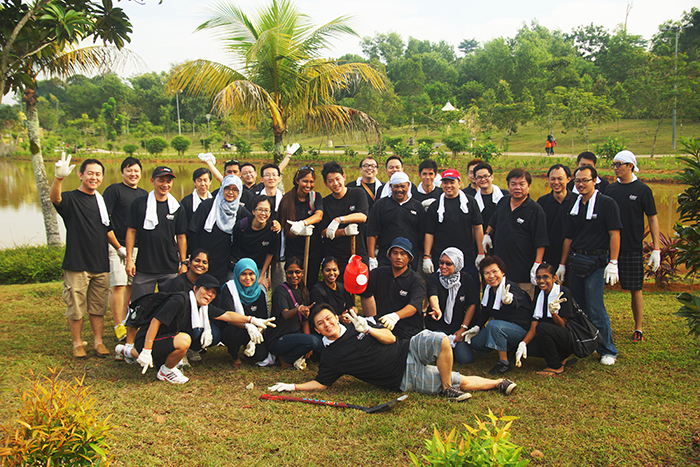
[[375, 356]]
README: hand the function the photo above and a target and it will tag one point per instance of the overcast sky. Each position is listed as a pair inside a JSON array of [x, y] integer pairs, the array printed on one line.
[[165, 34]]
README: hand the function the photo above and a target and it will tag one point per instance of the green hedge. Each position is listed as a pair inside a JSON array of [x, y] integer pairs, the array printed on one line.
[[31, 264]]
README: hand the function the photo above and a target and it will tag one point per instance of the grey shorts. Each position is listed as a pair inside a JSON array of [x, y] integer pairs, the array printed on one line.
[[421, 375]]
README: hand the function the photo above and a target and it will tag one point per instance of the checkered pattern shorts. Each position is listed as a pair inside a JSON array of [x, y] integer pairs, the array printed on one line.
[[631, 269], [420, 375]]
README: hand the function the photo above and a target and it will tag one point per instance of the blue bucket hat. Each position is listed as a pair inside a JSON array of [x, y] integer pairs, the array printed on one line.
[[403, 243]]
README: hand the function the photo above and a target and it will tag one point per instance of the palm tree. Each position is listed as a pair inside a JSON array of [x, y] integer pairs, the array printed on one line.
[[282, 76]]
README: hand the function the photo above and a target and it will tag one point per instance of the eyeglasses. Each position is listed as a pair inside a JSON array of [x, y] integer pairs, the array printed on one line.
[[446, 263], [546, 277], [262, 211], [369, 166], [581, 181], [617, 165], [296, 272], [483, 177], [231, 188]]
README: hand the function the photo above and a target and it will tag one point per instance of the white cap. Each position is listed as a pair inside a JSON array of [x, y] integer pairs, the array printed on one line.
[[399, 177], [627, 157]]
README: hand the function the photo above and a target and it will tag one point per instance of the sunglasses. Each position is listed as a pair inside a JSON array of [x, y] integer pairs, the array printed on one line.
[[231, 162], [446, 263]]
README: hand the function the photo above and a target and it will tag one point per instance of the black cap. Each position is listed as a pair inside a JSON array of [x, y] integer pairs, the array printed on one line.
[[162, 170], [208, 281]]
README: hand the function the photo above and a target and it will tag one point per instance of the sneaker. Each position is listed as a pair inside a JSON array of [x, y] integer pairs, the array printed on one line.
[[183, 363], [193, 356], [120, 331], [270, 360], [173, 375], [638, 336], [608, 360], [455, 394], [506, 386], [122, 354], [500, 368], [300, 363]]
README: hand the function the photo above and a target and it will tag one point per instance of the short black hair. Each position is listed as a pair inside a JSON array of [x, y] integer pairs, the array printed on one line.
[[198, 252], [547, 267], [474, 162], [391, 158], [565, 168], [319, 307], [519, 173], [129, 161], [428, 164], [483, 165], [331, 167], [594, 172], [588, 155], [231, 162], [257, 200], [199, 172], [246, 164], [270, 166], [368, 158], [87, 162], [489, 260]]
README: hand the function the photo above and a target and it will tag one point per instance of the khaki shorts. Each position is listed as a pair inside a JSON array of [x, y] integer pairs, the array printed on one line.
[[85, 292], [117, 269]]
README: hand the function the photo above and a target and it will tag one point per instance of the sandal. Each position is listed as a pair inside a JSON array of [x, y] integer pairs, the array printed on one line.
[[550, 373]]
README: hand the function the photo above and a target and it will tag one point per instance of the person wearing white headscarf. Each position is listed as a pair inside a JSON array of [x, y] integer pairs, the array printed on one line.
[[453, 299], [212, 225]]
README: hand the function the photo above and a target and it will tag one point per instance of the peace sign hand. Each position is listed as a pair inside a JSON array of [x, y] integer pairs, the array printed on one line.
[[507, 298], [555, 306]]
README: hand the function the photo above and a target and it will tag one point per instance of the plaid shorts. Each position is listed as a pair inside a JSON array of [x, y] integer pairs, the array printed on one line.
[[631, 269], [420, 375]]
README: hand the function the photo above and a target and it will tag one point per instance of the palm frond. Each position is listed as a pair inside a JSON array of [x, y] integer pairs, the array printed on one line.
[[232, 25], [99, 58], [202, 78], [244, 99], [331, 118], [320, 38], [326, 78]]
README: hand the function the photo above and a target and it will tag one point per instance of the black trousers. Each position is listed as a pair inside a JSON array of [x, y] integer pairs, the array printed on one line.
[[552, 342]]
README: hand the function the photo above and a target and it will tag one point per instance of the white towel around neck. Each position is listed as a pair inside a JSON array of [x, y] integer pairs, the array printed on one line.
[[377, 185], [590, 207], [151, 220], [495, 197], [196, 200], [237, 305], [499, 294], [104, 215], [199, 314], [553, 294], [463, 205]]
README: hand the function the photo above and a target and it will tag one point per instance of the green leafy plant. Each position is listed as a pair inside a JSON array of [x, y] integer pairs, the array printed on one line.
[[378, 150], [403, 151], [130, 149], [243, 147], [27, 264], [485, 445], [668, 269], [180, 144], [268, 146], [487, 151], [688, 227], [424, 151], [609, 148], [56, 424], [426, 140], [351, 153], [392, 141], [690, 311], [456, 142], [156, 145]]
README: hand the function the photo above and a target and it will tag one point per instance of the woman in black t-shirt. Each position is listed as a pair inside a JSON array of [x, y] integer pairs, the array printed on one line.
[[331, 290], [199, 264]]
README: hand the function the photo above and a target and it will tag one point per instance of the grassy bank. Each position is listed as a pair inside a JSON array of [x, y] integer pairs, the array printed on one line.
[[642, 411]]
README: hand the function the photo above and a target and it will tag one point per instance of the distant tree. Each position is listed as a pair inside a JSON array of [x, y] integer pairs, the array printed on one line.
[[156, 145], [180, 144], [130, 149], [456, 142], [468, 46], [386, 47]]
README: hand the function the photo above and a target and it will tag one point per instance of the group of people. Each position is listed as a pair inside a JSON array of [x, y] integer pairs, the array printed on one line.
[[251, 267]]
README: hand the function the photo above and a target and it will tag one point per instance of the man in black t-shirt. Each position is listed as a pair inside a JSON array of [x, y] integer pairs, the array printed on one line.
[[556, 205], [160, 226], [118, 198], [488, 195], [374, 355], [367, 181], [590, 159], [428, 190], [86, 262], [634, 199], [201, 178]]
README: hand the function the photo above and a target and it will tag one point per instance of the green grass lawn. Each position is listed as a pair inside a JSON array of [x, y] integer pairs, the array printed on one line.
[[645, 410]]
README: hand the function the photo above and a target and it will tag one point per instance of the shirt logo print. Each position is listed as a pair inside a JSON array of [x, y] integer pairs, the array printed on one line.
[[414, 212], [461, 298], [254, 308], [633, 197], [403, 293], [352, 208], [265, 243], [170, 216], [520, 220]]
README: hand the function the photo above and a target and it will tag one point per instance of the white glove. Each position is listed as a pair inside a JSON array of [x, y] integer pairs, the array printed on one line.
[[330, 230], [655, 260], [121, 252], [427, 202], [486, 242], [300, 363], [296, 227], [207, 157], [63, 167], [279, 387], [352, 230], [470, 333], [428, 267], [145, 360], [360, 324], [478, 260], [507, 297], [256, 336], [390, 320], [533, 273], [555, 306], [561, 272], [611, 274], [249, 349], [521, 353], [206, 338], [292, 149], [373, 263], [263, 323]]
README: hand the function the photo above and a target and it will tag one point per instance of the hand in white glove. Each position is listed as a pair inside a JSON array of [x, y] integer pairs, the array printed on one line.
[[611, 274], [351, 230], [389, 321], [292, 149], [427, 202], [249, 349], [331, 229], [63, 167], [478, 260], [145, 360], [521, 353], [555, 306], [470, 333], [533, 273], [256, 336], [211, 158], [561, 272], [296, 226], [655, 260], [263, 323], [121, 252], [507, 297], [486, 242], [428, 267], [206, 338], [360, 324], [307, 231], [279, 387], [373, 263]]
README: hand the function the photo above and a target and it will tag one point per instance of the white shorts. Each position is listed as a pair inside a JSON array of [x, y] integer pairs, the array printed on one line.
[[117, 269]]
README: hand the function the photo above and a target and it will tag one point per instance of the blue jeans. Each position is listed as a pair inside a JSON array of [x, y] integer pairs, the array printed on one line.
[[292, 346], [588, 293], [498, 335], [463, 353], [196, 335]]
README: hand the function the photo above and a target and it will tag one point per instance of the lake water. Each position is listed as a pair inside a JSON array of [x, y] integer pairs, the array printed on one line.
[[22, 222]]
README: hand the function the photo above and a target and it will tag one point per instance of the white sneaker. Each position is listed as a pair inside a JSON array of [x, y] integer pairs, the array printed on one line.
[[300, 363], [172, 375], [121, 353], [270, 360], [608, 360]]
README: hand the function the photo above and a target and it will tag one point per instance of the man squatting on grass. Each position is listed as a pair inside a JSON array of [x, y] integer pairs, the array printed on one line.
[[375, 356]]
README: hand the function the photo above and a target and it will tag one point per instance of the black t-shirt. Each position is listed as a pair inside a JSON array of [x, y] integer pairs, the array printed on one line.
[[217, 242], [340, 299], [489, 207], [388, 219], [594, 234], [175, 316], [186, 205], [634, 199], [372, 187], [420, 197], [158, 252], [393, 293], [353, 202], [467, 296], [180, 284], [254, 244], [258, 308], [294, 246], [118, 198], [282, 300], [566, 311], [517, 235], [556, 214], [518, 312], [455, 229], [469, 190], [365, 358], [86, 235]]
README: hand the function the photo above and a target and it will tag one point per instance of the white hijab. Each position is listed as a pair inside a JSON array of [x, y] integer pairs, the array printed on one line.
[[452, 282], [224, 212]]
